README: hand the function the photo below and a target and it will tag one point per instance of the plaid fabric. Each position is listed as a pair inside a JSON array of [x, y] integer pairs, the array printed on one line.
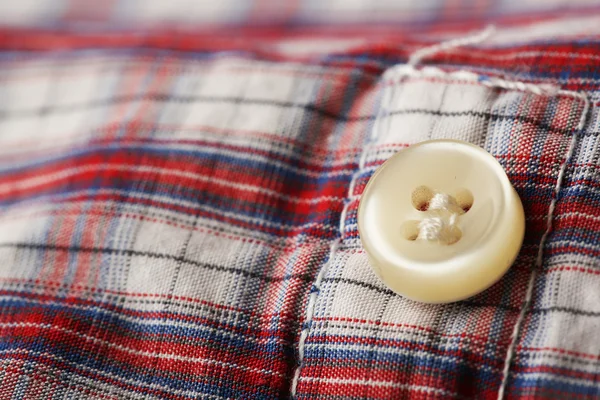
[[90, 15], [172, 201]]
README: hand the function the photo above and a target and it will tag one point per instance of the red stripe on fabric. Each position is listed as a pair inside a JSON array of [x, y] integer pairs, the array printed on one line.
[[35, 314], [272, 138], [75, 288], [571, 268]]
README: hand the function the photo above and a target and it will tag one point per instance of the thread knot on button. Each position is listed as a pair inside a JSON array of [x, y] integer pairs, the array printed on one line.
[[440, 224]]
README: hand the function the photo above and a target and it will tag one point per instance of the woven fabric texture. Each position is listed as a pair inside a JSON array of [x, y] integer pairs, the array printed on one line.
[[178, 209]]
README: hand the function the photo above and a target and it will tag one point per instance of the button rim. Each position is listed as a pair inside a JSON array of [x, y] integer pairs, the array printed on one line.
[[513, 209]]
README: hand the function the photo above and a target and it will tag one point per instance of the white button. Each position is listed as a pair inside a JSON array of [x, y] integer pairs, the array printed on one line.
[[440, 221]]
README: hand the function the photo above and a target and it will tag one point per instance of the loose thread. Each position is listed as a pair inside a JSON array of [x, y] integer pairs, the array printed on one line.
[[475, 38]]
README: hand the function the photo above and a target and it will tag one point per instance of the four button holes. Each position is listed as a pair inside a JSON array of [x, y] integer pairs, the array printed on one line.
[[441, 212]]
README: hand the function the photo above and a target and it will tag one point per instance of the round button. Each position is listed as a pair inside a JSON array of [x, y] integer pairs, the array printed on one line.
[[440, 221]]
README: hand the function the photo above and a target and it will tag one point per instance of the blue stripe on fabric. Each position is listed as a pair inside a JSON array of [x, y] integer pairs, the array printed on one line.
[[524, 381], [424, 360], [195, 155]]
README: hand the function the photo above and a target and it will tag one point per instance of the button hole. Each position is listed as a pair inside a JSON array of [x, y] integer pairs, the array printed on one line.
[[410, 230], [421, 198], [454, 236], [464, 199]]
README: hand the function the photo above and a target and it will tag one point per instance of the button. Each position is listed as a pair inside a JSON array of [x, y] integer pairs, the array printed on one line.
[[440, 221]]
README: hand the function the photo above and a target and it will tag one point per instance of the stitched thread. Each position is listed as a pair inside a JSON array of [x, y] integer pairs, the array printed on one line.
[[399, 72], [478, 37], [539, 259], [440, 224]]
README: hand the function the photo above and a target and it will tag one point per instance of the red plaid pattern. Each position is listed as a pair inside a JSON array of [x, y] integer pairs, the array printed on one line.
[[178, 209]]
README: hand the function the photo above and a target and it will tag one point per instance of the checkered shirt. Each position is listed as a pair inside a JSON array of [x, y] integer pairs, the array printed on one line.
[[179, 184]]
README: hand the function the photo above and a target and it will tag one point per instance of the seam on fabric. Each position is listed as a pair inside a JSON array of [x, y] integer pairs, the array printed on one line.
[[540, 255], [350, 198], [408, 71]]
